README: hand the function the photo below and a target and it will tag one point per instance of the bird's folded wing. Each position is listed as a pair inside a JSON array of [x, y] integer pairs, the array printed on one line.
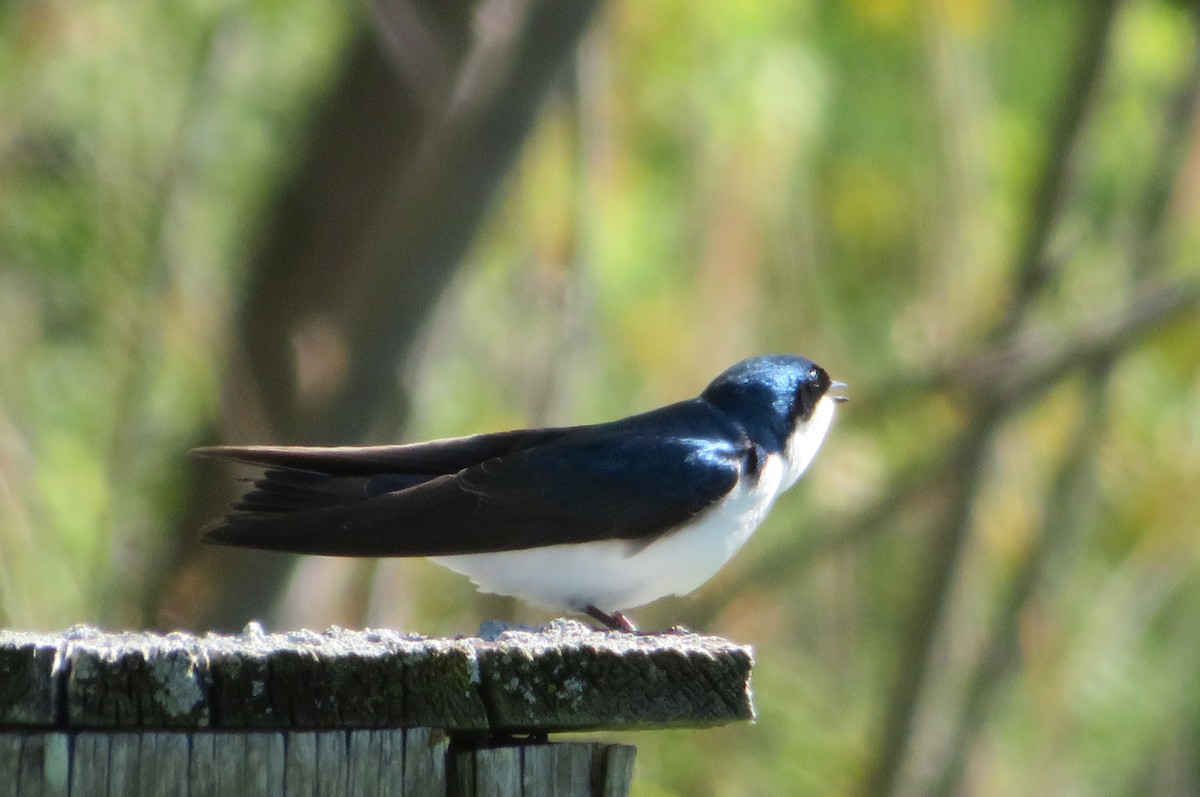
[[434, 457], [579, 488]]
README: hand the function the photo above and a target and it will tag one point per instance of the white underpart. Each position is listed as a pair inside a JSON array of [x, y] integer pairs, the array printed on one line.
[[614, 575]]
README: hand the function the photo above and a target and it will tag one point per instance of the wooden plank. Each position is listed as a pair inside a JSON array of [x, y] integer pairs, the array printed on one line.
[[343, 679], [202, 765], [242, 763], [264, 763], [462, 774], [44, 766], [425, 751], [10, 757], [391, 763], [617, 777], [573, 769], [566, 676], [364, 753], [28, 679], [101, 687], [242, 697], [400, 762], [89, 765], [135, 680], [441, 679], [559, 770], [300, 764], [229, 764], [175, 693], [124, 755], [331, 763], [163, 765], [331, 713], [497, 772]]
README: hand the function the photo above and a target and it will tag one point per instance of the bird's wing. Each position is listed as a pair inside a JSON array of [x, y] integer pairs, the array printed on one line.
[[307, 477], [598, 483], [434, 457]]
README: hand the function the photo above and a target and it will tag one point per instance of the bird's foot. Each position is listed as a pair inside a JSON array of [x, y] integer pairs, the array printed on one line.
[[615, 621]]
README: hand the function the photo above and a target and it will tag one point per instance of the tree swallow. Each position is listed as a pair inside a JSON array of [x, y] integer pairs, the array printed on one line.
[[594, 519]]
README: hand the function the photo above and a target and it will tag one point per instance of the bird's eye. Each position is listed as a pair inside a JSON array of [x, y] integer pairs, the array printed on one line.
[[810, 389], [818, 379]]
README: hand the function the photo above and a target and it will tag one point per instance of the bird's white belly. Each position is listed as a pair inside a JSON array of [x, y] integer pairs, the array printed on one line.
[[614, 575]]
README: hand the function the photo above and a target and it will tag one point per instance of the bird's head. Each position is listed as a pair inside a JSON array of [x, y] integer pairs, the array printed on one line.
[[778, 398]]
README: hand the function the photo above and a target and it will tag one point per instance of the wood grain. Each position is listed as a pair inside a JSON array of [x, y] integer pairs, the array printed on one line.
[[375, 712], [566, 676]]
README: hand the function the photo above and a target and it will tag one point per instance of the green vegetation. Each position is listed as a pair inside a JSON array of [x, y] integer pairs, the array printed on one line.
[[978, 213]]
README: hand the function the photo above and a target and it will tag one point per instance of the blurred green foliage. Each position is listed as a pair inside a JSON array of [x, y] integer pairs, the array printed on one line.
[[847, 180]]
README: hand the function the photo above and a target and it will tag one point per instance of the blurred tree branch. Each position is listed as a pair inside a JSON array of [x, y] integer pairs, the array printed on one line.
[[1033, 270], [398, 172], [1030, 276], [126, 458], [1067, 493], [1015, 375], [1001, 396]]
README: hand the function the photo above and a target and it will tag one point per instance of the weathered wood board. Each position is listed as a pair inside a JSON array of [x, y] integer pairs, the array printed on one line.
[[566, 677], [371, 712]]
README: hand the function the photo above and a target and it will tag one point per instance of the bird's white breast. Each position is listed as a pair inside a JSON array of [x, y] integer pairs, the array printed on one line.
[[615, 575]]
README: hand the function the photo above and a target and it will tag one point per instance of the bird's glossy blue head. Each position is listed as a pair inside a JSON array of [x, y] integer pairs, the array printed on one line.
[[770, 395]]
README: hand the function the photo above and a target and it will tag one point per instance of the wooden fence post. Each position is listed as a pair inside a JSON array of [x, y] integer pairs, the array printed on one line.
[[370, 712]]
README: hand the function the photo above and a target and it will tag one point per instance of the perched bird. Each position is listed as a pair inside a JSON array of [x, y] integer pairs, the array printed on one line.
[[594, 519]]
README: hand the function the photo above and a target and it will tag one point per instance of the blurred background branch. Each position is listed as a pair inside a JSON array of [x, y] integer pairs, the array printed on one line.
[[1033, 268], [366, 234], [1069, 496]]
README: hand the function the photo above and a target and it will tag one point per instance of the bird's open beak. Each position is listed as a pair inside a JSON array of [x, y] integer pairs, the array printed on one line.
[[839, 386]]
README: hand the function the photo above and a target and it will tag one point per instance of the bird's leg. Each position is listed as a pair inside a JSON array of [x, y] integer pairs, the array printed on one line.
[[624, 623], [616, 621]]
